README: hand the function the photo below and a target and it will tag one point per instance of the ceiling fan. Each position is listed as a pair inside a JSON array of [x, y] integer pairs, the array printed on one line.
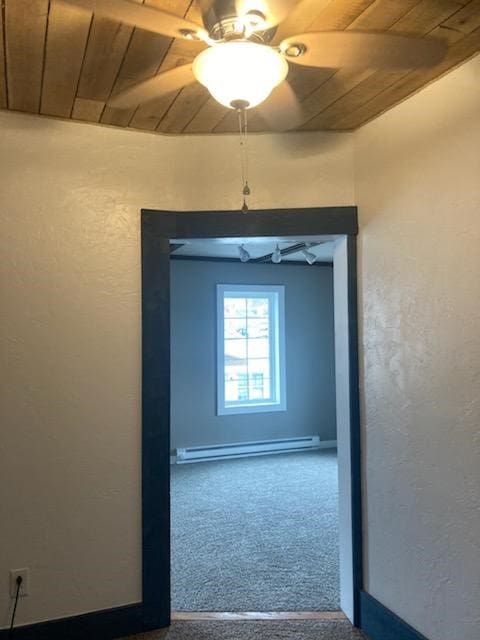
[[240, 67]]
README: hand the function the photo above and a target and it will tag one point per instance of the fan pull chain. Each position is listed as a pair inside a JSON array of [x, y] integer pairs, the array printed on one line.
[[242, 123]]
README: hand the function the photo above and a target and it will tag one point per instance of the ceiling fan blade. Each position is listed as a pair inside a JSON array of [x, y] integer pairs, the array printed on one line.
[[143, 17], [166, 82], [337, 49], [282, 110], [275, 11]]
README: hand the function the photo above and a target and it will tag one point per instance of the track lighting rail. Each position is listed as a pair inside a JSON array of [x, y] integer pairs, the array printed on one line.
[[296, 248]]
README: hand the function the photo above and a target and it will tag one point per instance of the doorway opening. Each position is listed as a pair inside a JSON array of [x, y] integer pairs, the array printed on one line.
[[253, 429], [240, 559]]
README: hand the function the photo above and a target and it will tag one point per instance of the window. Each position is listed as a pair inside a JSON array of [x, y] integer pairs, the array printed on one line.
[[251, 348]]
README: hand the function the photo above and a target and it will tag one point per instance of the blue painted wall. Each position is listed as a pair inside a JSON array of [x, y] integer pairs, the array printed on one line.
[[309, 334]]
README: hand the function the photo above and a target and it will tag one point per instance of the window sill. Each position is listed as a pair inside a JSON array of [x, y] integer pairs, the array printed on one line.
[[252, 408]]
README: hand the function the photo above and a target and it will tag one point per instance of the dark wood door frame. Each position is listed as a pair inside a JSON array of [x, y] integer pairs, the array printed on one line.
[[158, 228]]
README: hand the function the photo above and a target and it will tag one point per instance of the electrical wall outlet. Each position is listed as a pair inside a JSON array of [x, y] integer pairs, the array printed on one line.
[[24, 587]]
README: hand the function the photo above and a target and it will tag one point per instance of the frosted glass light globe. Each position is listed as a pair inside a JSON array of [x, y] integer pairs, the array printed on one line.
[[240, 71]]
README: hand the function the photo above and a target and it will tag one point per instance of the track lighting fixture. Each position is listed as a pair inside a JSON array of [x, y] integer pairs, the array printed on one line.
[[309, 256], [244, 255], [276, 256]]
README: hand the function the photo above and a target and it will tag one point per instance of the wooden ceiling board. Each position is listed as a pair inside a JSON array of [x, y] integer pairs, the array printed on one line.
[[87, 110], [183, 108], [340, 84], [342, 15], [143, 58], [425, 16], [67, 34], [464, 49], [382, 14], [352, 99], [365, 15], [300, 18], [418, 21], [449, 36], [213, 118], [149, 116], [25, 30], [209, 112], [301, 81], [466, 20], [61, 61], [107, 44], [228, 123], [339, 15]]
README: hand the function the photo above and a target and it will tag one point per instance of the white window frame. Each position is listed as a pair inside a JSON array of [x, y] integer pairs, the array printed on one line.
[[276, 295]]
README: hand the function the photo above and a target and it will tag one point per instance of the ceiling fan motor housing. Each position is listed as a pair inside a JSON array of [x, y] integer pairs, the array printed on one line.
[[223, 23]]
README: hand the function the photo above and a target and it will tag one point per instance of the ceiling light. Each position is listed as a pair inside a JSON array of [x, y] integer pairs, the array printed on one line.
[[276, 256], [309, 256], [244, 255], [240, 74]]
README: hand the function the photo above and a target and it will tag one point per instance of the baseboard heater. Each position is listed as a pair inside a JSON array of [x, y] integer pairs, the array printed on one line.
[[243, 449]]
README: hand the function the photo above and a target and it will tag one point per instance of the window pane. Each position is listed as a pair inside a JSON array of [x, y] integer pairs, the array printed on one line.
[[235, 372], [235, 328], [257, 328], [258, 348], [235, 352], [259, 367], [248, 339], [235, 391], [242, 387], [257, 307], [235, 307], [259, 387]]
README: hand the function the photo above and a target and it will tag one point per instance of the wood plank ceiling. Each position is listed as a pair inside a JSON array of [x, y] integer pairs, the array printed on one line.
[[63, 62]]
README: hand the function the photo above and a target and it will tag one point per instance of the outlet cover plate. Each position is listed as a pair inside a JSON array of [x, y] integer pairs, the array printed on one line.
[[24, 587]]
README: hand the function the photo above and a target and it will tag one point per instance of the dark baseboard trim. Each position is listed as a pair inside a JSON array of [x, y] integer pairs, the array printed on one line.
[[379, 623], [99, 625]]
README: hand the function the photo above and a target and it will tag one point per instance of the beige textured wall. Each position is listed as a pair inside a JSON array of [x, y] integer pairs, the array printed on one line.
[[418, 192], [70, 199], [70, 196]]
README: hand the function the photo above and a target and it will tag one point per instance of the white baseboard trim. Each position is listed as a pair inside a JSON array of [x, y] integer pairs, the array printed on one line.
[[249, 449], [327, 444]]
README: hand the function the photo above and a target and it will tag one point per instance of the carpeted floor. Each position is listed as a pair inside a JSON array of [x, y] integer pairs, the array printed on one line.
[[256, 630], [256, 534]]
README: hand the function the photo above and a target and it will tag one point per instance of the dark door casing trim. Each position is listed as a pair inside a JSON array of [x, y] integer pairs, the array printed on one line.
[[158, 227]]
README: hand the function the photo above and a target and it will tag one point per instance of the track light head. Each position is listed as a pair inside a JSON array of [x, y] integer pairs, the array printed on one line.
[[276, 256], [244, 255], [309, 256]]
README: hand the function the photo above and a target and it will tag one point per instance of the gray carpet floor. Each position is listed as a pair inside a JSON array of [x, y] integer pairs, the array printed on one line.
[[257, 630], [256, 534]]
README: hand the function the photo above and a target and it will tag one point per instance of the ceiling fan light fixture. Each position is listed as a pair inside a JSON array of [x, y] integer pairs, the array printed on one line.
[[190, 34], [294, 50], [254, 20], [240, 72]]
